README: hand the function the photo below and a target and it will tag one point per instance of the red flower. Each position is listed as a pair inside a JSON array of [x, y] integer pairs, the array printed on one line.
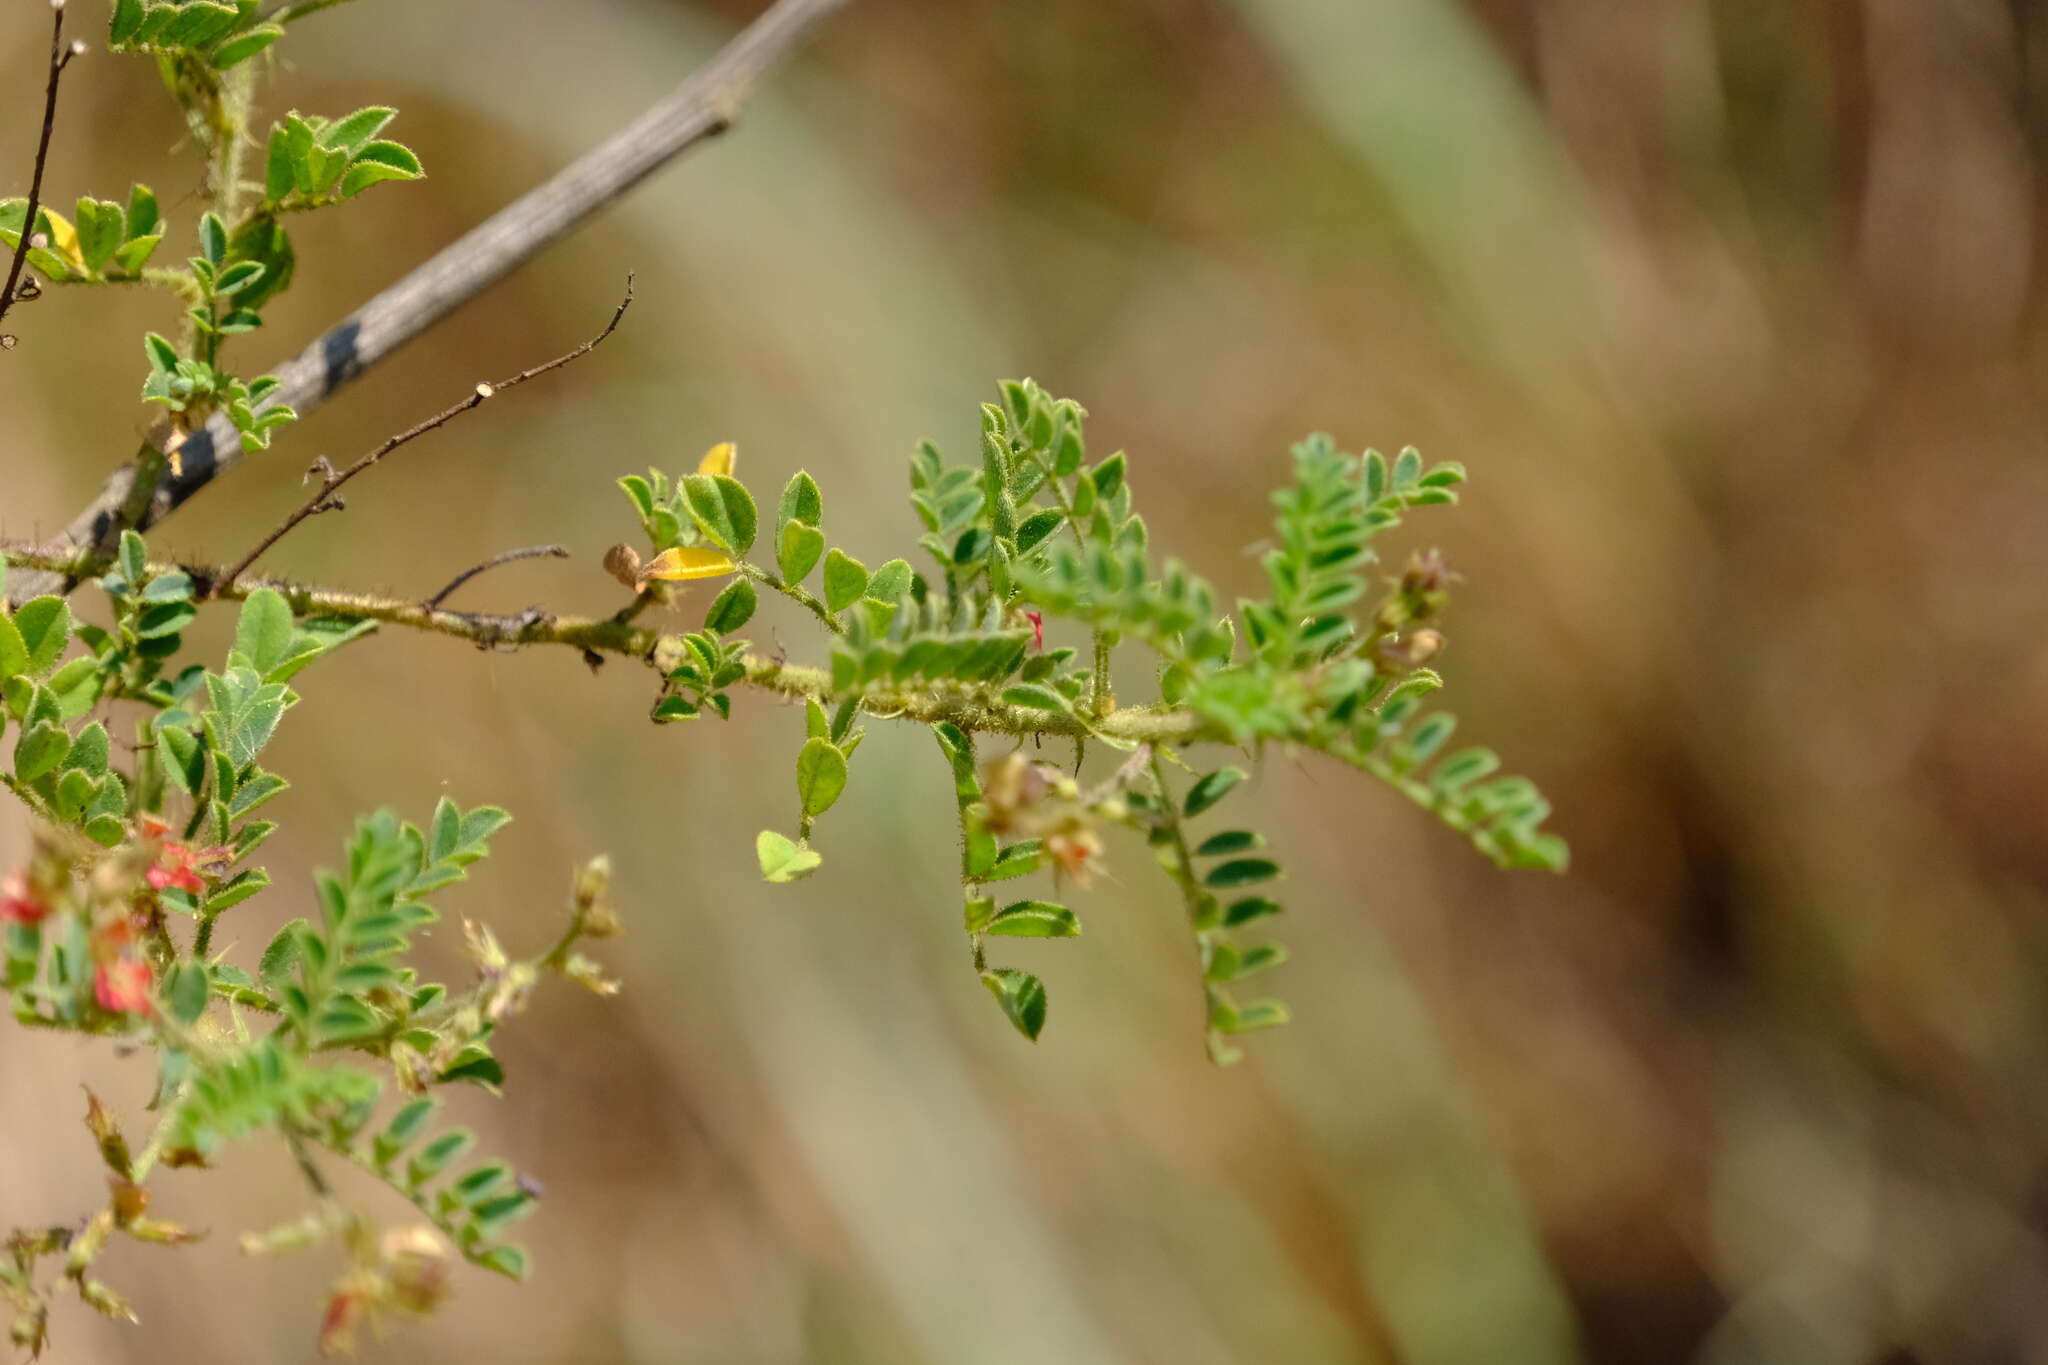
[[1037, 620], [20, 903], [179, 866], [122, 986]]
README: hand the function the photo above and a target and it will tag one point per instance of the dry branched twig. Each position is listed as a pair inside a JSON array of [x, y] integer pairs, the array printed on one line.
[[705, 105], [331, 480]]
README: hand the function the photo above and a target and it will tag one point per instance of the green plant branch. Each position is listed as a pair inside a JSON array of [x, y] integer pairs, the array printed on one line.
[[25, 793], [222, 192], [202, 937], [970, 885], [176, 281], [159, 1138], [1193, 897], [1100, 697], [150, 463], [630, 613], [969, 708], [447, 1223], [795, 592]]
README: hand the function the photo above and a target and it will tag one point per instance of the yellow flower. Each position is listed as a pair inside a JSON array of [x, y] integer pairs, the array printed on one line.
[[719, 459]]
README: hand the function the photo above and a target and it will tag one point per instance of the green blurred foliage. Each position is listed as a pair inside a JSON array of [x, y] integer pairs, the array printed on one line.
[[1731, 310]]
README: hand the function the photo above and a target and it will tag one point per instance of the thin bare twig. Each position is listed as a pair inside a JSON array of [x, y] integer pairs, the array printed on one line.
[[60, 57], [508, 557], [706, 104], [331, 481]]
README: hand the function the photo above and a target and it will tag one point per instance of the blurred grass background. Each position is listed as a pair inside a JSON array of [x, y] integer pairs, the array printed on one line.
[[1733, 312]]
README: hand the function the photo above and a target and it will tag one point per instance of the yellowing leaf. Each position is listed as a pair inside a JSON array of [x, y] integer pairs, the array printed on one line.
[[687, 562], [64, 240], [718, 459]]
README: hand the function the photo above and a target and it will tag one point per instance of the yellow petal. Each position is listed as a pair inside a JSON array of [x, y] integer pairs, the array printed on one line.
[[686, 562], [718, 459]]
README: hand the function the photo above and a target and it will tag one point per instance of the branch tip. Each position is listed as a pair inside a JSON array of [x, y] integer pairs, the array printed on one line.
[[60, 57], [508, 557]]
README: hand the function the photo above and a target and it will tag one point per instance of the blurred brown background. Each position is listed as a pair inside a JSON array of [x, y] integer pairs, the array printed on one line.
[[1733, 311]]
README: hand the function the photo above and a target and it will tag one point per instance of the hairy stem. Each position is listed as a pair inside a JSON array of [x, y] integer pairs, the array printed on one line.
[[176, 281], [971, 708]]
